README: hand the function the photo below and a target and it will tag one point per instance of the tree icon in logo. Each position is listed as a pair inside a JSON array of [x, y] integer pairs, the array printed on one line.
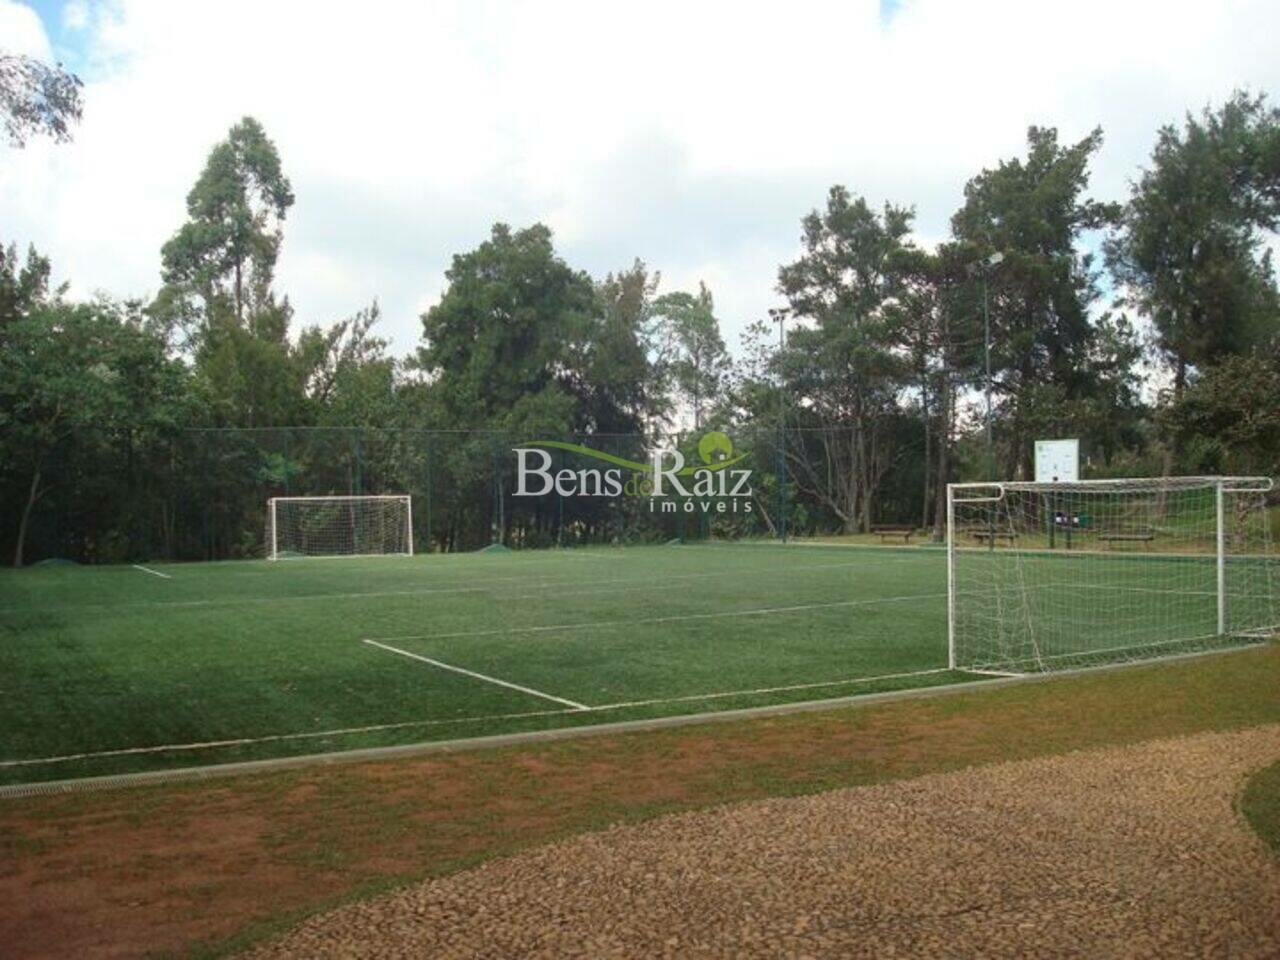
[[715, 446]]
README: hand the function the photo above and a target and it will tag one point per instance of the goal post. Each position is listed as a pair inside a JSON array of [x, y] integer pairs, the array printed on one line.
[[1050, 576], [339, 526]]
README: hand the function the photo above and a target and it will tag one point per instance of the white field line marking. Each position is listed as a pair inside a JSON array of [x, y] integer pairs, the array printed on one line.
[[380, 727], [479, 676], [540, 585], [757, 612], [1089, 653], [936, 548], [271, 738], [762, 690], [990, 673], [154, 573]]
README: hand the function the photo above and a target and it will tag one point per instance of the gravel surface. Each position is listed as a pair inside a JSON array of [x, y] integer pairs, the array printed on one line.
[[1127, 852]]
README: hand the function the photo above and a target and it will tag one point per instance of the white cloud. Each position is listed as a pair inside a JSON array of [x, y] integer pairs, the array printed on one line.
[[694, 136], [75, 15], [21, 30]]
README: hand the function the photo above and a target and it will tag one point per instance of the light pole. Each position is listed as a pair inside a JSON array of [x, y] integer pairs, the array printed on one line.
[[779, 316], [982, 268]]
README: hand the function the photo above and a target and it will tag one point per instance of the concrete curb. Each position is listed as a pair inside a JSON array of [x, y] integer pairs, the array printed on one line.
[[366, 754]]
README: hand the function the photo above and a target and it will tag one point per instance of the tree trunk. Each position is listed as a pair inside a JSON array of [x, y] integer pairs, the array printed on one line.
[[868, 484], [33, 494], [240, 298], [764, 514]]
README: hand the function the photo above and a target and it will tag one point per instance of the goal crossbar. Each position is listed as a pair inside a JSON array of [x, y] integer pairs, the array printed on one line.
[[1229, 485]]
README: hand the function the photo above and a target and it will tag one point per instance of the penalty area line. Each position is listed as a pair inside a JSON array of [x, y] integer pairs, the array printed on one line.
[[154, 573], [672, 618], [478, 676], [759, 691]]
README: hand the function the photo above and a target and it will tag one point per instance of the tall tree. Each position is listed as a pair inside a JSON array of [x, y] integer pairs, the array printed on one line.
[[510, 334], [1228, 419], [624, 395], [221, 262], [36, 98], [218, 269], [521, 344], [251, 377], [68, 367], [842, 369], [1034, 213], [935, 323], [1191, 254], [348, 377], [691, 361], [21, 287]]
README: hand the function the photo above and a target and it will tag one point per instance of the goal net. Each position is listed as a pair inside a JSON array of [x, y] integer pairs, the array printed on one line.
[[1049, 576], [339, 526]]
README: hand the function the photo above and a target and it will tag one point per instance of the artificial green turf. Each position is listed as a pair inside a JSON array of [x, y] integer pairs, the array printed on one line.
[[110, 659]]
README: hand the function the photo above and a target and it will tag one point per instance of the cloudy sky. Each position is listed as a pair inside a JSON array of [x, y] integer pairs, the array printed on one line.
[[693, 135]]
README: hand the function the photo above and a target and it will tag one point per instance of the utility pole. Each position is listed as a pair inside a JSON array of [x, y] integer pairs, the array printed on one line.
[[779, 316]]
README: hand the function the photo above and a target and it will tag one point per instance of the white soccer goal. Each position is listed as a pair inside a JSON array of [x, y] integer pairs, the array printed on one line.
[[339, 526], [1050, 576]]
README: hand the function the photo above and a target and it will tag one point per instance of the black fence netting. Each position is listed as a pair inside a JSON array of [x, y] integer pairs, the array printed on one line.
[[202, 494]]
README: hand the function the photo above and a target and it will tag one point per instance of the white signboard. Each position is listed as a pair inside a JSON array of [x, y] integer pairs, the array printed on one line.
[[1057, 461]]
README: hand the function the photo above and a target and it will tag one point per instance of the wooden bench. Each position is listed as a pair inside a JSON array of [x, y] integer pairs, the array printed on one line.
[[889, 530], [993, 535], [1126, 536]]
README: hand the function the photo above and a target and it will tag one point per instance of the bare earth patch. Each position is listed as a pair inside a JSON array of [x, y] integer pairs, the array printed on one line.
[[1130, 851]]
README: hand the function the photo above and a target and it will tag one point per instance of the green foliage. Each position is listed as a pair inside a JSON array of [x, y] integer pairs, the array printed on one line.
[[629, 389], [842, 370], [506, 344], [1228, 419], [348, 379], [872, 407], [223, 258], [521, 346], [92, 364], [1045, 351], [36, 98], [1260, 804], [278, 470], [22, 288], [68, 367], [1192, 253], [248, 379], [691, 363]]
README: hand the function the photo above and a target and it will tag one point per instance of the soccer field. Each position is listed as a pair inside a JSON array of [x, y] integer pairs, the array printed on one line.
[[309, 655], [116, 669]]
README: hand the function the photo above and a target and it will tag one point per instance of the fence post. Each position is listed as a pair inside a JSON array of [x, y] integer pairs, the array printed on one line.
[[1222, 561]]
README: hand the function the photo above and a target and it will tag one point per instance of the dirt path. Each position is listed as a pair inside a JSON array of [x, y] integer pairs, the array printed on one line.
[[1134, 851]]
